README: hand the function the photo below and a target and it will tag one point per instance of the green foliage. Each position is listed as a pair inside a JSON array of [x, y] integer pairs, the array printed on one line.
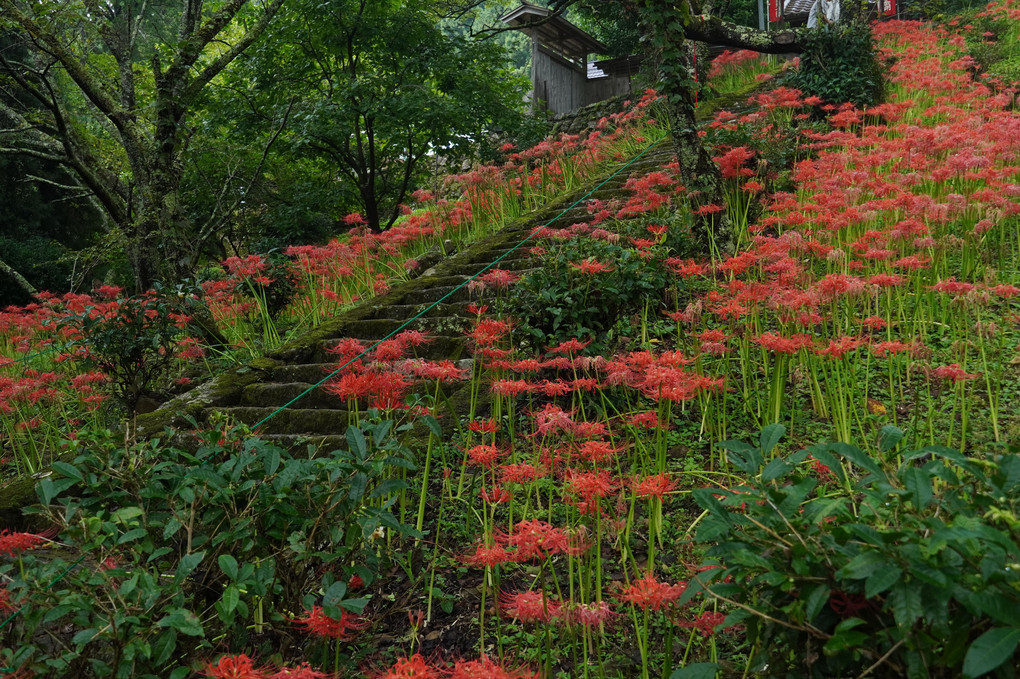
[[183, 552], [908, 561], [133, 340], [839, 65], [370, 91], [559, 300]]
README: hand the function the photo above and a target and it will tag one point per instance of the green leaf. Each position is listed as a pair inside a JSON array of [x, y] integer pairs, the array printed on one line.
[[433, 424], [856, 456], [133, 534], [272, 460], [228, 565], [163, 647], [990, 650], [127, 513], [881, 580], [231, 597], [889, 437], [918, 485], [845, 637], [356, 439], [905, 599], [184, 621], [68, 470], [698, 670], [770, 436], [775, 469], [335, 594], [354, 605], [84, 636], [816, 600], [189, 562]]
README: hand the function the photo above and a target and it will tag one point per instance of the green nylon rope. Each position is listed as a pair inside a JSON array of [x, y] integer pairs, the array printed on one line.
[[439, 301], [534, 233]]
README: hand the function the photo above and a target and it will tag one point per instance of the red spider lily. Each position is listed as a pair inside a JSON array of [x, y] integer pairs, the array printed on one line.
[[483, 668], [488, 426], [589, 615], [952, 372], [646, 420], [484, 455], [530, 606], [823, 473], [302, 671], [891, 348], [488, 556], [521, 472], [648, 593], [12, 544], [511, 387], [588, 486], [571, 346], [657, 485], [319, 624], [783, 345], [499, 279], [495, 495], [706, 623], [599, 451], [536, 539], [732, 163], [414, 667], [838, 348], [488, 332], [552, 418], [234, 667], [848, 604], [591, 266]]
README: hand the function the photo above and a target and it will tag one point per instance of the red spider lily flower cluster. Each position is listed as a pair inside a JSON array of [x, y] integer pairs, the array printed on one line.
[[317, 623], [243, 667], [13, 543], [416, 667]]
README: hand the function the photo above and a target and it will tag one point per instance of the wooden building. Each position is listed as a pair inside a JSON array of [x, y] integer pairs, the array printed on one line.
[[562, 78]]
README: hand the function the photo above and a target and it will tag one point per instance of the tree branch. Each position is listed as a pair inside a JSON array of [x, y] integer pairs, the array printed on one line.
[[713, 30], [7, 269], [221, 62], [93, 88]]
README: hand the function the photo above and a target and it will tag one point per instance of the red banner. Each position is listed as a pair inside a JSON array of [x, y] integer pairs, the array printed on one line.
[[888, 7], [774, 10]]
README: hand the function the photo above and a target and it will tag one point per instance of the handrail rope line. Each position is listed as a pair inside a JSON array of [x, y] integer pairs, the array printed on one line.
[[439, 301], [530, 236]]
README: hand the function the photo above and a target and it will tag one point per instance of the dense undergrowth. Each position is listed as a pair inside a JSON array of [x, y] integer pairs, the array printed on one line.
[[602, 517]]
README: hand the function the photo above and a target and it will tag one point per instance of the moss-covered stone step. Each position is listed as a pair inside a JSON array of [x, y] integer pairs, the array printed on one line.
[[276, 394], [404, 311], [444, 343], [444, 293]]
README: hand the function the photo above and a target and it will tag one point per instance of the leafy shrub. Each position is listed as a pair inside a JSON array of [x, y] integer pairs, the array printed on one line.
[[133, 340], [166, 553], [904, 563], [839, 65], [562, 299]]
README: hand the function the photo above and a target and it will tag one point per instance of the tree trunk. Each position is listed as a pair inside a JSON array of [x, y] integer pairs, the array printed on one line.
[[11, 273], [698, 172]]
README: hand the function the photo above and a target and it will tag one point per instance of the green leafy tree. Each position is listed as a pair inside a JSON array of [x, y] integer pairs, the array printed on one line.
[[108, 90], [378, 89]]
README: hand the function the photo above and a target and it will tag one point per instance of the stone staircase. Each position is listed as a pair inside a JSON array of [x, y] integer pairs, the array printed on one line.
[[280, 386]]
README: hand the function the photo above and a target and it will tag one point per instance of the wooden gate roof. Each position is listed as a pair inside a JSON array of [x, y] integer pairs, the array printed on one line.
[[553, 32]]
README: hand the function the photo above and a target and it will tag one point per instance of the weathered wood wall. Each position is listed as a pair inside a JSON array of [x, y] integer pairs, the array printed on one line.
[[559, 84], [599, 89]]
